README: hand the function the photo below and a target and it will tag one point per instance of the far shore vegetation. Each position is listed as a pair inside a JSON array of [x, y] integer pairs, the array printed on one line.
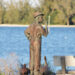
[[57, 12]]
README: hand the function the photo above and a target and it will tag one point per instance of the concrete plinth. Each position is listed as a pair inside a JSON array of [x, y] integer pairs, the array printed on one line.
[[71, 72], [65, 74]]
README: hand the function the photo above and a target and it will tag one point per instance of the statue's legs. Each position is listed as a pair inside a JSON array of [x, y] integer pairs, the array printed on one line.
[[37, 58], [31, 60]]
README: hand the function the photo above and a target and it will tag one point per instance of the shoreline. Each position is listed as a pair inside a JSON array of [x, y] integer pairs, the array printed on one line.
[[21, 25]]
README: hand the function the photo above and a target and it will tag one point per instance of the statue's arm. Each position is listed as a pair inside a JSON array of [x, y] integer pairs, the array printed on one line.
[[44, 31], [27, 33]]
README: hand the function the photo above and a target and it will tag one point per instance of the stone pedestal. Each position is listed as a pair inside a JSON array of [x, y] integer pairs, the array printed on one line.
[[65, 74], [68, 73], [71, 72]]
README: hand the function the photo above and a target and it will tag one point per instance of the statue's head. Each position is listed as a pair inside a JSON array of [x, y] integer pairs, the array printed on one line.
[[38, 17]]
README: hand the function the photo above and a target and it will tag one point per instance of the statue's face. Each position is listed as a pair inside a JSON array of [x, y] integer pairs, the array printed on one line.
[[40, 19]]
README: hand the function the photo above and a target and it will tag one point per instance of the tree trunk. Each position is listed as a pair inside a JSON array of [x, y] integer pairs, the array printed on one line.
[[68, 21], [52, 10]]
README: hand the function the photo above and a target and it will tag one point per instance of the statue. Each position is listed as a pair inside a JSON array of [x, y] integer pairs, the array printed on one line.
[[34, 33]]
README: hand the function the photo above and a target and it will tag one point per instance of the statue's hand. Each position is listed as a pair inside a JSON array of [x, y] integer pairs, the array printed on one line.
[[28, 36]]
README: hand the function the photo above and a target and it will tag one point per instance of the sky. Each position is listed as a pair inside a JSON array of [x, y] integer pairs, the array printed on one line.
[[33, 3]]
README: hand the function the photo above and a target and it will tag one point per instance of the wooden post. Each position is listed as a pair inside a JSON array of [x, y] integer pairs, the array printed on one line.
[[63, 65]]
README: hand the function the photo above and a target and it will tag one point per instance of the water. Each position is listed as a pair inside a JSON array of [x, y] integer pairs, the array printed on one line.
[[60, 41]]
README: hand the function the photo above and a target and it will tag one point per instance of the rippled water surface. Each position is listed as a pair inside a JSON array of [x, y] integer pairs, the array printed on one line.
[[60, 41]]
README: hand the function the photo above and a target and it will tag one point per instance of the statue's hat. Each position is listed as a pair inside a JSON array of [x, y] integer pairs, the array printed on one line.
[[38, 14]]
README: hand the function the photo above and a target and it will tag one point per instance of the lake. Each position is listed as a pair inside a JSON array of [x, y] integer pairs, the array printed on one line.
[[60, 41]]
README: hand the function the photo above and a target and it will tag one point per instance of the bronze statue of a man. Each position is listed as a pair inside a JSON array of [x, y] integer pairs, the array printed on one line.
[[34, 33]]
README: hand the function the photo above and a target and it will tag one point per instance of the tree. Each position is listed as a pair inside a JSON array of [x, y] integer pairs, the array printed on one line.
[[73, 19], [12, 14], [57, 17], [67, 7], [2, 11], [48, 7], [0, 14], [25, 12]]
